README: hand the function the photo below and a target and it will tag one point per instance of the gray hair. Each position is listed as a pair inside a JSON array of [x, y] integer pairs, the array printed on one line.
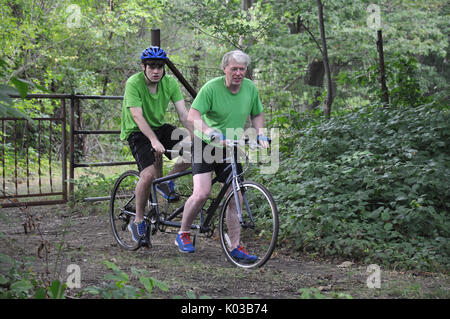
[[236, 55]]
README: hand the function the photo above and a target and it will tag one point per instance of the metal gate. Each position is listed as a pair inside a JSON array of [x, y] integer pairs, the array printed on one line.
[[33, 162], [35, 155]]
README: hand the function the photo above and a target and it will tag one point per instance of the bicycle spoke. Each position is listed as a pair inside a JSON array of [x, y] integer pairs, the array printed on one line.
[[257, 233], [123, 209]]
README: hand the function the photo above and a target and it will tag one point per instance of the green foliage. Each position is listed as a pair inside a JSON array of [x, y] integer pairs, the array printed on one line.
[[315, 293], [401, 77], [226, 20], [93, 184], [92, 47], [15, 282], [370, 185], [18, 281], [20, 87], [118, 284]]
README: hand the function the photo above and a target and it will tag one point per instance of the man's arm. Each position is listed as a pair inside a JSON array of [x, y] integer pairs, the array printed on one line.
[[258, 124], [195, 119], [146, 129], [183, 116]]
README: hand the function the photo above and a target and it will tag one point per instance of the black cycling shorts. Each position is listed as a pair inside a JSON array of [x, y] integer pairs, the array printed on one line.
[[204, 160], [141, 147]]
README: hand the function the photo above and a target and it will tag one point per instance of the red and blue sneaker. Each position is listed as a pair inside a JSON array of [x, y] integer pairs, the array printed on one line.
[[240, 254], [184, 243]]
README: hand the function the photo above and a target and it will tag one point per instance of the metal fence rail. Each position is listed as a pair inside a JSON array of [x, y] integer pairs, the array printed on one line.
[[18, 180], [16, 146], [74, 103]]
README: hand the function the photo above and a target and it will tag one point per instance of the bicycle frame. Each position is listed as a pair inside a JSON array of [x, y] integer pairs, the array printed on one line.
[[232, 179], [253, 209]]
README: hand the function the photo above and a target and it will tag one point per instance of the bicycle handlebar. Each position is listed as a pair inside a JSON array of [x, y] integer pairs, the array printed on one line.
[[228, 143], [245, 141], [178, 152]]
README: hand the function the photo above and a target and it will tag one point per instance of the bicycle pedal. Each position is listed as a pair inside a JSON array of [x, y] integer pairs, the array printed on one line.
[[146, 243], [173, 200]]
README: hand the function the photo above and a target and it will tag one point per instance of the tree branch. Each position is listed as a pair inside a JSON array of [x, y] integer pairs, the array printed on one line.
[[313, 37]]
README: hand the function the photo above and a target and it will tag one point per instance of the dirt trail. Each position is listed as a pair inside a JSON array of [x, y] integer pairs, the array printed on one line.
[[86, 240]]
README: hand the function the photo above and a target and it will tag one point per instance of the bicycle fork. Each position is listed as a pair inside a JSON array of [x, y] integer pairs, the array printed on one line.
[[236, 188]]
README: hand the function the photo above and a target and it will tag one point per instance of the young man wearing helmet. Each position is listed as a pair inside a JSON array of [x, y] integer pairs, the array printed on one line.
[[147, 96]]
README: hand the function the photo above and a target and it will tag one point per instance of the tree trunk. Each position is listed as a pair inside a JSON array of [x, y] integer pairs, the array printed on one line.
[[384, 89], [106, 72], [246, 4], [326, 64], [296, 26], [195, 70], [314, 77]]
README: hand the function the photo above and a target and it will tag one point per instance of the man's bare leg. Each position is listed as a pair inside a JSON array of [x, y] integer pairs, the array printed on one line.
[[202, 189], [146, 177], [233, 224]]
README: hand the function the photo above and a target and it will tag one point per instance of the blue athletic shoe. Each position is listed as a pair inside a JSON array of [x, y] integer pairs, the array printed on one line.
[[137, 230], [167, 190], [239, 254], [184, 243]]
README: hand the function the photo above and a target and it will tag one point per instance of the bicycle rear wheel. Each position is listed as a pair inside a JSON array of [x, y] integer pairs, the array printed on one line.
[[123, 209], [259, 231]]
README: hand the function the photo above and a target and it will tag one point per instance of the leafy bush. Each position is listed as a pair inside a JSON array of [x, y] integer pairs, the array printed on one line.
[[119, 284], [18, 281], [402, 80], [370, 185], [96, 184]]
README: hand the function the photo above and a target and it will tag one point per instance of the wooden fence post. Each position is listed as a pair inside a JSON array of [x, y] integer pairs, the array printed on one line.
[[156, 41], [384, 89]]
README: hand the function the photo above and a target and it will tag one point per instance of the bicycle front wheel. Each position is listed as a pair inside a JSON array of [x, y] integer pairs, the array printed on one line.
[[123, 209], [258, 232]]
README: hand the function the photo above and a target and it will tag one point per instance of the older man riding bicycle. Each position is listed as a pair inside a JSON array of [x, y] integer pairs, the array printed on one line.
[[222, 104]]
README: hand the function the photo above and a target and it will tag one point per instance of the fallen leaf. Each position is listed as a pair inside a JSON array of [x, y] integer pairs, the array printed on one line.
[[345, 264], [324, 288]]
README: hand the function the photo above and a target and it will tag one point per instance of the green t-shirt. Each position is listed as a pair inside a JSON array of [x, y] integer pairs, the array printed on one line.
[[153, 106], [222, 109]]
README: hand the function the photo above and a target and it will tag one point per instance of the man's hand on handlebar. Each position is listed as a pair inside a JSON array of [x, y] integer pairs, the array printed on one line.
[[264, 141], [261, 140], [157, 146], [217, 137]]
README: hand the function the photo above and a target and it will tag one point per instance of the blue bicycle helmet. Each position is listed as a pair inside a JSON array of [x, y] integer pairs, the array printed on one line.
[[154, 53]]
